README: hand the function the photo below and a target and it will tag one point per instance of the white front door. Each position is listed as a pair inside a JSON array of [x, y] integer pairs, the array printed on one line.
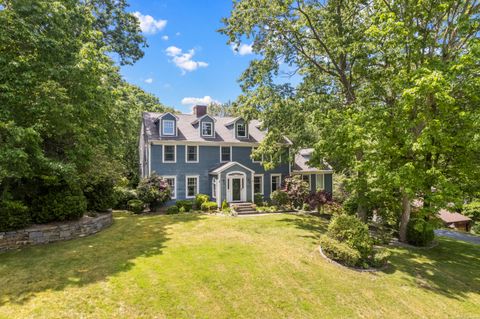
[[236, 188]]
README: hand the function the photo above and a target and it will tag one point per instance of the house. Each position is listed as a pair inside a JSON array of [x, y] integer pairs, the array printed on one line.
[[199, 153], [455, 220]]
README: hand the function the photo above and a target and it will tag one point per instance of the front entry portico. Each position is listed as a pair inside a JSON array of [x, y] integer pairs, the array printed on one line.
[[233, 182]]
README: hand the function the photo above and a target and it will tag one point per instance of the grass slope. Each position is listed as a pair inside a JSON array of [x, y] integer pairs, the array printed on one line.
[[197, 266]]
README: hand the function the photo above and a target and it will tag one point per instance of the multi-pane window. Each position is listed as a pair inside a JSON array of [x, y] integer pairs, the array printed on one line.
[[258, 184], [226, 154], [192, 153], [169, 153], [168, 127], [207, 129], [171, 181], [192, 186], [320, 181], [275, 182], [241, 131]]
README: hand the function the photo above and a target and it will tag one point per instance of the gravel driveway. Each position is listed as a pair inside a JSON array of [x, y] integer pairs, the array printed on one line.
[[458, 235]]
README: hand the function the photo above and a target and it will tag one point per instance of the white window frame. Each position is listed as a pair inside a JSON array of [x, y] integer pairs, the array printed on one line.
[[174, 177], [323, 181], [211, 129], [309, 179], [253, 160], [186, 185], [231, 154], [163, 127], [214, 187], [279, 182], [174, 153], [261, 184], [244, 129], [186, 154]]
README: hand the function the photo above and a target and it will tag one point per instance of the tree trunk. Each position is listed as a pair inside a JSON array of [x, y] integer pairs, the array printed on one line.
[[362, 212], [406, 210]]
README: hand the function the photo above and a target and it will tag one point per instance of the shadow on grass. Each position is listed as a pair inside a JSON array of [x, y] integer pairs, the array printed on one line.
[[451, 269], [80, 262], [314, 224]]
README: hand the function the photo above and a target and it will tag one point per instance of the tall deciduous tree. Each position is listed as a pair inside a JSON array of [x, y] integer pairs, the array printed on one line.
[[386, 90]]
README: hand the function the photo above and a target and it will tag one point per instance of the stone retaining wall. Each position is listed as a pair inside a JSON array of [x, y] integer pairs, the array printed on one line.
[[43, 234]]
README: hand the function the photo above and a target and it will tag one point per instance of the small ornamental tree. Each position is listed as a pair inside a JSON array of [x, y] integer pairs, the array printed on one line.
[[297, 190], [319, 199], [154, 191]]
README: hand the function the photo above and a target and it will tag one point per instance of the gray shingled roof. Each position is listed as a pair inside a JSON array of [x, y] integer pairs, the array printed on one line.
[[191, 133], [301, 164]]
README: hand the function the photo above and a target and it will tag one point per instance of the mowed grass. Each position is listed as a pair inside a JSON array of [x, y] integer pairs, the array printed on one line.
[[198, 266]]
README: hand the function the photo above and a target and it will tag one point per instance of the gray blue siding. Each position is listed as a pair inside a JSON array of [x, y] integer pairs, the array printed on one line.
[[209, 158]]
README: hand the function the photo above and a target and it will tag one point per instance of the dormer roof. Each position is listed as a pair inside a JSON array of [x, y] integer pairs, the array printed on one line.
[[201, 118]]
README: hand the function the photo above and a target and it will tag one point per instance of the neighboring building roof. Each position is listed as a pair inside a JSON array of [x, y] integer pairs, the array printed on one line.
[[449, 217], [188, 132], [301, 164]]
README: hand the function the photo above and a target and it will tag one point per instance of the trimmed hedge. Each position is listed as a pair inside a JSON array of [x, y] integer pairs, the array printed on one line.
[[420, 232], [59, 206], [172, 210], [187, 205], [135, 205], [13, 215], [340, 252], [352, 231], [258, 199], [209, 206]]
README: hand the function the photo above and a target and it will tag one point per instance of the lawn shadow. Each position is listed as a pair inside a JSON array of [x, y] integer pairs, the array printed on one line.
[[314, 224], [79, 262], [451, 269]]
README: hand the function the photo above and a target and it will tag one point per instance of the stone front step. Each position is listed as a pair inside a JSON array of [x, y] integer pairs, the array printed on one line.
[[244, 208]]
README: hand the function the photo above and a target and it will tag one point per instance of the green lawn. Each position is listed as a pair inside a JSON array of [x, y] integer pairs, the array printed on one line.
[[197, 266]]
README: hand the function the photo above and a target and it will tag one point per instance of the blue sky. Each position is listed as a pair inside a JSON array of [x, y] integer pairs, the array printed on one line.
[[187, 60]]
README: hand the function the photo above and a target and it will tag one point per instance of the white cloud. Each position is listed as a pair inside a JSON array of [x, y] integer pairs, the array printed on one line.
[[149, 80], [165, 37], [243, 49], [206, 100], [184, 60], [177, 34], [148, 24]]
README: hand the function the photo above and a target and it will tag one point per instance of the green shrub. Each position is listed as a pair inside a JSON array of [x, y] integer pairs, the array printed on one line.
[[258, 199], [420, 232], [224, 205], [476, 228], [181, 210], [472, 210], [279, 198], [200, 199], [13, 215], [353, 232], [209, 206], [100, 196], [123, 195], [136, 206], [186, 204], [59, 205], [380, 258], [340, 252], [154, 191], [305, 207], [173, 210]]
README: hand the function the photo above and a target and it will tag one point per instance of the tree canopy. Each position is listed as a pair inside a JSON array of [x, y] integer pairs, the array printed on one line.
[[387, 92]]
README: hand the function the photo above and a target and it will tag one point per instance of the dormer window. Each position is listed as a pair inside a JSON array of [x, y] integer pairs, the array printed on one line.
[[241, 131], [207, 129], [168, 127]]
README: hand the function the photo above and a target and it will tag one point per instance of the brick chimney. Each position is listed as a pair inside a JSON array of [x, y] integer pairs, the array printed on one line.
[[199, 110]]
